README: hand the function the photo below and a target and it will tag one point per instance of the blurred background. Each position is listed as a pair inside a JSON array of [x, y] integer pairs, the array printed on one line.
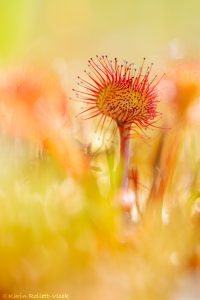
[[75, 30]]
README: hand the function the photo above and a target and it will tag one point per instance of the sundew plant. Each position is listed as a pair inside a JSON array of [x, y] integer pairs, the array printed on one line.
[[123, 94], [99, 154]]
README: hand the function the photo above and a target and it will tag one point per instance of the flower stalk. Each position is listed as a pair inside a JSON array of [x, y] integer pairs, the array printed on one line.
[[124, 155]]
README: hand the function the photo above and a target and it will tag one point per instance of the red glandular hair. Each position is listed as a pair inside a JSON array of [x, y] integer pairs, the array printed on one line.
[[120, 92]]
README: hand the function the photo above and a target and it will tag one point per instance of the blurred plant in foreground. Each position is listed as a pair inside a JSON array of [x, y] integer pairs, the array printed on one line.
[[34, 107], [182, 89]]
